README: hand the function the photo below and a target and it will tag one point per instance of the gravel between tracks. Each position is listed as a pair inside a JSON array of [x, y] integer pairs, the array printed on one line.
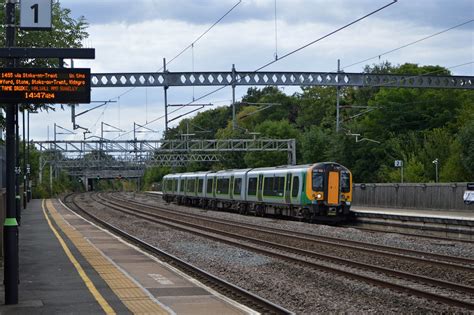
[[299, 289]]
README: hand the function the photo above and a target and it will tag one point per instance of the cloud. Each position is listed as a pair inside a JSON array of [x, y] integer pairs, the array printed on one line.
[[439, 13], [135, 36]]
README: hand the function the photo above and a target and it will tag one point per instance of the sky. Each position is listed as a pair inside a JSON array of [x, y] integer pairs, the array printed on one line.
[[135, 36]]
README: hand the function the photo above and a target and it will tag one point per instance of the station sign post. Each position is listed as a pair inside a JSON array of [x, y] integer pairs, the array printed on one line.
[[37, 86], [399, 163]]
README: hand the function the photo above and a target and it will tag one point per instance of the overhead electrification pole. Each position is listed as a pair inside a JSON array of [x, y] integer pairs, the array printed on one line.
[[25, 198], [234, 122], [17, 165], [165, 87], [338, 94], [28, 167], [10, 229]]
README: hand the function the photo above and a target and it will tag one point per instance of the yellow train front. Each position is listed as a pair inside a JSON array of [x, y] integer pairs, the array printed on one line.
[[328, 193]]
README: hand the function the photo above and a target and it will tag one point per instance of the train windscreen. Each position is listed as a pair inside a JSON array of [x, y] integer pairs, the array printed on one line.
[[318, 180], [345, 182]]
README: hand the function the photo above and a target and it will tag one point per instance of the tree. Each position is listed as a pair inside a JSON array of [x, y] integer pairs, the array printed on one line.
[[316, 107], [315, 145], [154, 175], [66, 32], [272, 129]]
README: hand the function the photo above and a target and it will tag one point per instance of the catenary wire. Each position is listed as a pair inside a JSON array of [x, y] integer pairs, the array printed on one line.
[[187, 47], [296, 50], [409, 44]]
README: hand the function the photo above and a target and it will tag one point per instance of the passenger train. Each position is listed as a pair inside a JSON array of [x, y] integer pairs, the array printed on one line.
[[316, 192]]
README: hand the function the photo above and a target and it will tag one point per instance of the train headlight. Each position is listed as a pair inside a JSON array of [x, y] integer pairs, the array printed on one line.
[[319, 196]]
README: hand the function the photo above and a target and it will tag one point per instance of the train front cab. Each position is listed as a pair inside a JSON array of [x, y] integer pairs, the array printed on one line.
[[329, 190]]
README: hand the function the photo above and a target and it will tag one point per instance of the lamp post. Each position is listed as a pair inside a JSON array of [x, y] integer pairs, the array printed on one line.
[[436, 162]]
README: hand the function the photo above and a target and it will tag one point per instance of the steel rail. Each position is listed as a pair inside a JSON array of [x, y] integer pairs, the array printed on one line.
[[236, 240], [454, 262]]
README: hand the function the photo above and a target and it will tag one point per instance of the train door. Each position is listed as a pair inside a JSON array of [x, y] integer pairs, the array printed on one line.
[[231, 187], [260, 188], [333, 187], [288, 187], [214, 186]]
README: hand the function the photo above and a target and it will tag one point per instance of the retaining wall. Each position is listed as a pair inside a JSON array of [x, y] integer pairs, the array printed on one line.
[[436, 196]]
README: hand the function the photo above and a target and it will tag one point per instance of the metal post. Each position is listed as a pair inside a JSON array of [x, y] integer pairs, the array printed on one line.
[[73, 116], [134, 131], [10, 227], [40, 174], [17, 165], [165, 88], [292, 152], [28, 167], [25, 199], [51, 179], [234, 122], [338, 95], [401, 170], [437, 179]]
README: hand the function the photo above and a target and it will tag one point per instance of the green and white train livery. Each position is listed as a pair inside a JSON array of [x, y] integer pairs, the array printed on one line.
[[314, 192]]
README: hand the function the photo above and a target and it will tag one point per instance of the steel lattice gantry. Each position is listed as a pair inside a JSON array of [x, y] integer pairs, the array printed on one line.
[[131, 154], [175, 152], [234, 78]]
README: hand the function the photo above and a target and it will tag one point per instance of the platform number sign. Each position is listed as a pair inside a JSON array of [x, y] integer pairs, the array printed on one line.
[[398, 163], [35, 14]]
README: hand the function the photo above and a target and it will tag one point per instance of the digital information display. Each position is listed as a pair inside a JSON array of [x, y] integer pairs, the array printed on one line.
[[45, 85]]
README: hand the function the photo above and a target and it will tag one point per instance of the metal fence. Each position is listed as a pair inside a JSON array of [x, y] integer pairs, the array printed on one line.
[[436, 196]]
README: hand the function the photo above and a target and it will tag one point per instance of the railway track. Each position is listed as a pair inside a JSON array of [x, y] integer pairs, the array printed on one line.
[[458, 263], [382, 228], [236, 293], [426, 287]]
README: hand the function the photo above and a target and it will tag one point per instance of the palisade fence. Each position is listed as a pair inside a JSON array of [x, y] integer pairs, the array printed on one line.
[[435, 196]]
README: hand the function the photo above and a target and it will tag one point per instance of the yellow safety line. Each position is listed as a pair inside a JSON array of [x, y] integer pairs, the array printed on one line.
[[134, 298], [99, 298]]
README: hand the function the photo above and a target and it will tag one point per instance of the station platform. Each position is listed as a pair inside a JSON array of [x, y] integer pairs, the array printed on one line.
[[456, 225], [451, 215], [69, 265]]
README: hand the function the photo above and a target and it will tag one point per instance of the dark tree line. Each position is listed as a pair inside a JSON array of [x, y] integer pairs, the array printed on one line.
[[413, 125]]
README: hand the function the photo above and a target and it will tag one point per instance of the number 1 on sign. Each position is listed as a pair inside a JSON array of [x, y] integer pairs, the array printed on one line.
[[36, 9]]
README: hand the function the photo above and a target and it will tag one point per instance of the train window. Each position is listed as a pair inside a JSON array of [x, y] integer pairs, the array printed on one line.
[[191, 185], [268, 186], [345, 182], [181, 185], [318, 180], [296, 186], [169, 185], [209, 185], [279, 186], [200, 185], [273, 186], [237, 186], [252, 190], [222, 185]]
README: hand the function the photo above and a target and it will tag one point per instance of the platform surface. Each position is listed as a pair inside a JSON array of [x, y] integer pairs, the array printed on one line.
[[71, 266], [438, 214]]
